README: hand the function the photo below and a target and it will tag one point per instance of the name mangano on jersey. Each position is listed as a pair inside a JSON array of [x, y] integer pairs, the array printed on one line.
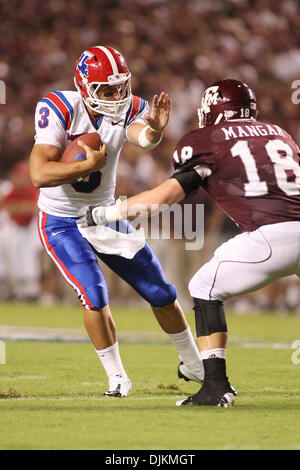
[[62, 117], [255, 172]]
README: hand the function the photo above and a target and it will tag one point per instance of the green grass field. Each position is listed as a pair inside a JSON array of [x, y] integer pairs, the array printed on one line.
[[51, 392]]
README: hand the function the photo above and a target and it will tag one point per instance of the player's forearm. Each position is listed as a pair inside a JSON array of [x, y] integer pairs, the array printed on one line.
[[144, 136], [141, 205], [47, 171], [182, 184], [167, 193], [52, 174]]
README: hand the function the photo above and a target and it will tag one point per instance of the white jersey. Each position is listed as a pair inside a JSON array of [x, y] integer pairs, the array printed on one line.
[[61, 117]]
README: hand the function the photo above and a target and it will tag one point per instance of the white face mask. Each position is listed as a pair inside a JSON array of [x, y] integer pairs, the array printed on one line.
[[110, 108]]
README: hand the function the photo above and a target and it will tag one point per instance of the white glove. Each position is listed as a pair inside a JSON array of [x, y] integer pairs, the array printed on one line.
[[100, 215], [95, 215]]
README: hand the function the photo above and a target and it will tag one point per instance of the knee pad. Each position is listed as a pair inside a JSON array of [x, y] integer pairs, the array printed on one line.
[[209, 317], [159, 296], [96, 296]]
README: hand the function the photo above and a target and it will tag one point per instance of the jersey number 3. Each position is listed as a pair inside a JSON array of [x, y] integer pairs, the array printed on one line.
[[88, 185], [282, 164], [44, 121]]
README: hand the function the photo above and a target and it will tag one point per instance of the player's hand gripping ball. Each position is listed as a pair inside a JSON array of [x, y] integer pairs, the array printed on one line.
[[75, 153]]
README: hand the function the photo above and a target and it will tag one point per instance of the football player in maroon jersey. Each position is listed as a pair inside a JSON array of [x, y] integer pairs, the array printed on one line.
[[251, 169]]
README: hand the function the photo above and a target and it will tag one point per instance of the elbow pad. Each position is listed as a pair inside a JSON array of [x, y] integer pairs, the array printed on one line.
[[189, 180]]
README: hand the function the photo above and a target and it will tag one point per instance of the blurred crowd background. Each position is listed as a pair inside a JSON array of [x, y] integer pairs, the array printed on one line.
[[174, 45]]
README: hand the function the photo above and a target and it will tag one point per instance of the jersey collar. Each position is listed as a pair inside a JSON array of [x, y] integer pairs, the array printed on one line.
[[96, 120]]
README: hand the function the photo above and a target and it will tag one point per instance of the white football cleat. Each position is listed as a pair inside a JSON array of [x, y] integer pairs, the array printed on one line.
[[119, 386], [194, 375]]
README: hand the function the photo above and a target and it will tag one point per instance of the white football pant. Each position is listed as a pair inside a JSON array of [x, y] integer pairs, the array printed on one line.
[[249, 261]]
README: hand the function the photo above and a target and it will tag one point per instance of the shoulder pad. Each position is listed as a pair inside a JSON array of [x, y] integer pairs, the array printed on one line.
[[62, 107], [137, 106], [192, 145]]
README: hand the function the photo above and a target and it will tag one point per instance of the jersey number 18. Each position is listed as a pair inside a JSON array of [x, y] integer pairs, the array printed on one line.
[[281, 154]]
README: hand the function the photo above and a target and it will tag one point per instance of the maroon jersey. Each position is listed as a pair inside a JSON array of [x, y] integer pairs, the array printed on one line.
[[255, 169]]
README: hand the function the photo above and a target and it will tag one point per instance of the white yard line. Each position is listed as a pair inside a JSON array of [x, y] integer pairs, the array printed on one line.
[[95, 398], [27, 333], [255, 345], [25, 377]]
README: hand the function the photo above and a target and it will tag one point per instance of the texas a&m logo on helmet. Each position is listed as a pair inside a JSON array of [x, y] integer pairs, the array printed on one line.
[[224, 100]]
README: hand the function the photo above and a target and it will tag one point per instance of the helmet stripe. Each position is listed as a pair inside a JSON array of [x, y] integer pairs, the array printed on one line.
[[110, 58]]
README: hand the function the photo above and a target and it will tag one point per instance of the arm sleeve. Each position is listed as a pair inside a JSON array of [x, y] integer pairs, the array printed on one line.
[[190, 181], [49, 129]]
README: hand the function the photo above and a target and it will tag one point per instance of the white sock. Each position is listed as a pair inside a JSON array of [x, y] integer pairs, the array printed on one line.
[[187, 348], [111, 360], [216, 352]]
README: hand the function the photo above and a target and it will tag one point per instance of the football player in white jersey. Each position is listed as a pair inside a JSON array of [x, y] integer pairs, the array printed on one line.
[[103, 103]]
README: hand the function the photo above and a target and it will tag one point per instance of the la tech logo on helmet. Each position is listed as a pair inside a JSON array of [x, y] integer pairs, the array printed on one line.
[[82, 65]]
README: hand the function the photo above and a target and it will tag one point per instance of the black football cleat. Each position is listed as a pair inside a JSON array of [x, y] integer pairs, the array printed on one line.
[[195, 376], [211, 394]]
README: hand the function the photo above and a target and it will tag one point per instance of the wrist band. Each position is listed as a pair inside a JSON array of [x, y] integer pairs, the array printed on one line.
[[113, 213], [154, 130], [143, 140]]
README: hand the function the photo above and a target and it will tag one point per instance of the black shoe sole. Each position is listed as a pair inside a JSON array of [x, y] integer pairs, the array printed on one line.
[[181, 376], [113, 394], [223, 402]]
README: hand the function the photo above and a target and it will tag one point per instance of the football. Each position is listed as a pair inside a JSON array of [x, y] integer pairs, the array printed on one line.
[[76, 153]]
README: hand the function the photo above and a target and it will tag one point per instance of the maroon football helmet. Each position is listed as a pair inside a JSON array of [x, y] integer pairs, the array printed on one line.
[[226, 100]]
